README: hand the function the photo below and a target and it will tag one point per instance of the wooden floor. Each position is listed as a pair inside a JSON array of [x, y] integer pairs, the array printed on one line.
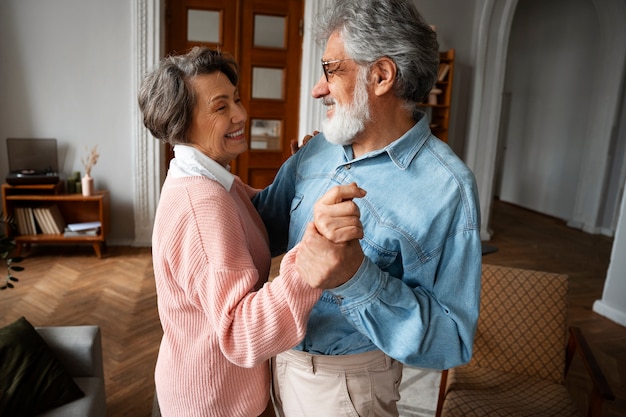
[[68, 285]]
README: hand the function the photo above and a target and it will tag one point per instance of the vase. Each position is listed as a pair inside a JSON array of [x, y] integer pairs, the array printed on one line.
[[87, 185]]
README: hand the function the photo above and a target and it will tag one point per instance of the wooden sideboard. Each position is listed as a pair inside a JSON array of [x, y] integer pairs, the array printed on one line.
[[74, 208]]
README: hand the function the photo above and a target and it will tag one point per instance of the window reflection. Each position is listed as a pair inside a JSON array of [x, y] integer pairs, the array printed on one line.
[[203, 26], [267, 83], [265, 134], [269, 31]]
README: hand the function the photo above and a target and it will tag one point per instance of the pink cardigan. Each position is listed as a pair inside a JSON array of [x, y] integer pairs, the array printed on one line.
[[220, 322]]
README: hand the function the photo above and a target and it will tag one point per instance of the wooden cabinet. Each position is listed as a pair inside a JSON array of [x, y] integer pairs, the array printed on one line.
[[437, 107], [74, 208]]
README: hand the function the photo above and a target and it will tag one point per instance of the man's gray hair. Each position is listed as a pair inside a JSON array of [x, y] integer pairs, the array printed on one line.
[[372, 29]]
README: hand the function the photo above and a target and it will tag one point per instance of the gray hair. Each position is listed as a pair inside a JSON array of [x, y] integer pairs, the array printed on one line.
[[372, 29], [167, 98]]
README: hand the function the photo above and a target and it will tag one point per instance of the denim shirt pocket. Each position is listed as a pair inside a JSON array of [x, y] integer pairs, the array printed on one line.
[[382, 257]]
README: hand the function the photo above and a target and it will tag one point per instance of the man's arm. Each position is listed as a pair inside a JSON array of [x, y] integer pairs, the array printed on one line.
[[426, 326]]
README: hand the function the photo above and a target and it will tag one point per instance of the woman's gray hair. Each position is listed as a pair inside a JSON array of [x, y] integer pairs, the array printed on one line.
[[372, 29], [166, 96]]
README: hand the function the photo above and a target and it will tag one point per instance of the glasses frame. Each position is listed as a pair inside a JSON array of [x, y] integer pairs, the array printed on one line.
[[329, 73]]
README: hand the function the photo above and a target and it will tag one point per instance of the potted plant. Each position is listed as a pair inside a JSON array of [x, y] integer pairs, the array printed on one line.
[[7, 246]]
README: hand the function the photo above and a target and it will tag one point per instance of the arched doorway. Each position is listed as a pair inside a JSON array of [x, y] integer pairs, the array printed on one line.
[[496, 18]]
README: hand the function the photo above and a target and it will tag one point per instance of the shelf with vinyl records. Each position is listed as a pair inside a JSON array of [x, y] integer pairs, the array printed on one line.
[[437, 106], [45, 214]]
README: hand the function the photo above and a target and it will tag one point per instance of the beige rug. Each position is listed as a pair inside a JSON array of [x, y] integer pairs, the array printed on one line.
[[419, 390]]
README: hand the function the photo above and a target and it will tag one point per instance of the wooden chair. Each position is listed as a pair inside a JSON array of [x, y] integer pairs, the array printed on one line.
[[520, 352]]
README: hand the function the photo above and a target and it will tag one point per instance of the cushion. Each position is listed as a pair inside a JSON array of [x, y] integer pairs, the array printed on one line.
[[477, 392], [31, 378]]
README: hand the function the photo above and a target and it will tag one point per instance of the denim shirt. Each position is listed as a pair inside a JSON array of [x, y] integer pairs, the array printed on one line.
[[416, 294]]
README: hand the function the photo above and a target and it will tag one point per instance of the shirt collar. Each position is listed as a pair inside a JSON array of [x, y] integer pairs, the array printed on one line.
[[190, 162], [402, 150]]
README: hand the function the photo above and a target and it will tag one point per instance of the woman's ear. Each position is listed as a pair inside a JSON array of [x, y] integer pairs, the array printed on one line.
[[384, 75]]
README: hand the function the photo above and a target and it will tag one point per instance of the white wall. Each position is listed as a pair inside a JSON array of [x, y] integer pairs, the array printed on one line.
[[547, 126], [65, 72], [454, 30]]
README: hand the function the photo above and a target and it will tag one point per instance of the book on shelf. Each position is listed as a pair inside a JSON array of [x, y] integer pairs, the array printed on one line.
[[77, 227], [444, 68], [42, 221], [56, 218], [26, 224], [32, 224], [50, 219], [81, 233], [20, 219]]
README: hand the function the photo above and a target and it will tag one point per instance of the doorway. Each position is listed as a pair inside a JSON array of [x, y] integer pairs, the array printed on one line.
[[599, 109], [265, 37]]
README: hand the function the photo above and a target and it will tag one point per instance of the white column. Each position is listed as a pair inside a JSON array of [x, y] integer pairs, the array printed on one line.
[[147, 151], [613, 302], [312, 113]]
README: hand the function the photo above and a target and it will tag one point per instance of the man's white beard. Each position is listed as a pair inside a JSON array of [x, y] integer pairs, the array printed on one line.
[[348, 120]]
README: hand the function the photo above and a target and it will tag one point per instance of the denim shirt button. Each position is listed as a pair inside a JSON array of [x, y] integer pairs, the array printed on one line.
[[348, 166]]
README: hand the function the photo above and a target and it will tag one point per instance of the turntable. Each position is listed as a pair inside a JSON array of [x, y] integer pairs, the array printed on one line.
[[32, 161]]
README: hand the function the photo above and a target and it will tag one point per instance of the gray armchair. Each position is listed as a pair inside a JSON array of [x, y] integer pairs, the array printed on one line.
[[79, 349]]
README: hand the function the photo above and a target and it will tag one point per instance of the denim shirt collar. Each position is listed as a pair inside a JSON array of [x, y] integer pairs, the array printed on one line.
[[402, 150]]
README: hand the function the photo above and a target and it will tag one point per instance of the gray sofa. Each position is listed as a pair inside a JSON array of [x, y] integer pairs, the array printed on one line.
[[79, 349]]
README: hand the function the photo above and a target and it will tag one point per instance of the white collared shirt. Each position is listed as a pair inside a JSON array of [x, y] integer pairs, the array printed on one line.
[[190, 162]]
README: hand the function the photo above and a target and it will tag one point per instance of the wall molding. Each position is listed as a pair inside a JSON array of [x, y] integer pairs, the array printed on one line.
[[147, 151], [495, 20]]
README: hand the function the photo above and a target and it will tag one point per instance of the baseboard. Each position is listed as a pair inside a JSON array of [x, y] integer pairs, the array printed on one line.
[[609, 312]]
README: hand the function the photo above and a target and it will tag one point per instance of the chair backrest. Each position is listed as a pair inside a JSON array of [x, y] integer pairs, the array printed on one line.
[[523, 322]]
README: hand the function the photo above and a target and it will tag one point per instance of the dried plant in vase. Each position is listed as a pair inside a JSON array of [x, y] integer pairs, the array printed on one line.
[[88, 163]]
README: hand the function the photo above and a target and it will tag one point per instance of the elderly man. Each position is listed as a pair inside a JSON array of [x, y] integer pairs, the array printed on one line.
[[410, 291]]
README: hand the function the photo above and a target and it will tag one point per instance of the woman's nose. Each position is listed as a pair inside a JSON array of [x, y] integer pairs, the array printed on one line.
[[239, 115]]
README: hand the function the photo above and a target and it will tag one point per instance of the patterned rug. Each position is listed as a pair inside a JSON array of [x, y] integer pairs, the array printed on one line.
[[418, 390]]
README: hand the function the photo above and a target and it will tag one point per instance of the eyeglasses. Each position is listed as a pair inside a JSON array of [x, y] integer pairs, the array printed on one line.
[[329, 73]]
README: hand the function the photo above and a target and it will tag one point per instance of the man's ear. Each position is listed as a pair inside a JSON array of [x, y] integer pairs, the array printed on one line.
[[383, 75]]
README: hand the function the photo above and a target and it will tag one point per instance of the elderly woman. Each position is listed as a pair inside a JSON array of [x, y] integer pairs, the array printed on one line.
[[211, 256]]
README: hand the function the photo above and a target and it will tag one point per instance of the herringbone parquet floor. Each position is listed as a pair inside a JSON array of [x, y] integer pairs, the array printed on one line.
[[68, 285]]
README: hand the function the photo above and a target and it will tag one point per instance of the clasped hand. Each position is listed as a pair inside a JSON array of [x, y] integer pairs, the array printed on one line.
[[329, 253]]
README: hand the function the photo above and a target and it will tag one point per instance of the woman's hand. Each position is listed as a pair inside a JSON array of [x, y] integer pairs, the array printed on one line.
[[295, 145], [324, 264]]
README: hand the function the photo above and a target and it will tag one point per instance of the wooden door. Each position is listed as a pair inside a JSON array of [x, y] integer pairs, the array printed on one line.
[[265, 37]]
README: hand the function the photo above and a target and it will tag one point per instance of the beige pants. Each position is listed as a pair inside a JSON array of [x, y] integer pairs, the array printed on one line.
[[361, 385]]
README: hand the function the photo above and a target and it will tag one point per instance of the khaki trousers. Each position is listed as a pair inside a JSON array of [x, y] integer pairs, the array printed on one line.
[[361, 385]]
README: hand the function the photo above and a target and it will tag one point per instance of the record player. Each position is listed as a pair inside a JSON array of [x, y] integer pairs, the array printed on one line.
[[32, 161]]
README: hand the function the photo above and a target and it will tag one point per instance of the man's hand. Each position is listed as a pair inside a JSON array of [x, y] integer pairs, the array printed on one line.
[[324, 264], [336, 216], [294, 145]]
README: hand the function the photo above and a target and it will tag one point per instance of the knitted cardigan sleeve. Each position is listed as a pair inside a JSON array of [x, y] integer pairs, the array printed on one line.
[[211, 260]]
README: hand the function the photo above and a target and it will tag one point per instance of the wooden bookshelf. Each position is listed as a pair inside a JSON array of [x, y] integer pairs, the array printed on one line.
[[438, 106], [75, 208]]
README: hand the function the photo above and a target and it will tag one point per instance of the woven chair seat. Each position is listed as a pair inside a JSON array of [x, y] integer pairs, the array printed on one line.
[[480, 392], [520, 353]]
